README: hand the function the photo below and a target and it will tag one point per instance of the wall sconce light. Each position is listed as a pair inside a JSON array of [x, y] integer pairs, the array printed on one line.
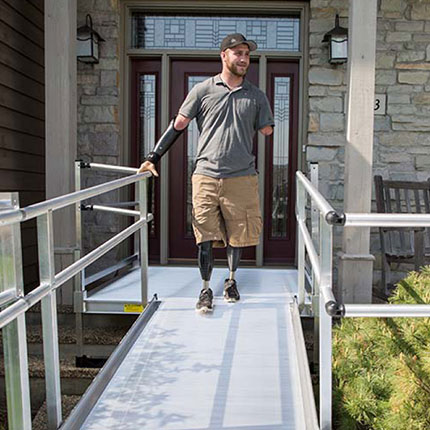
[[338, 43], [87, 47]]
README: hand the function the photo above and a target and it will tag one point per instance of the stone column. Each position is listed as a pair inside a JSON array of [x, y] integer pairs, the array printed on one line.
[[356, 264], [60, 123]]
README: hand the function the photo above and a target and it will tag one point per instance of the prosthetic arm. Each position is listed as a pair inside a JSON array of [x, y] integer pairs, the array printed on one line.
[[164, 143]]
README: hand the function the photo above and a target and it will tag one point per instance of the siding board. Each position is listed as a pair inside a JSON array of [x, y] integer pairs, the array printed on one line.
[[21, 142], [20, 24], [22, 115], [31, 277], [28, 11], [19, 102], [38, 4], [16, 81], [29, 197], [18, 161], [21, 64], [17, 121], [22, 44], [21, 181]]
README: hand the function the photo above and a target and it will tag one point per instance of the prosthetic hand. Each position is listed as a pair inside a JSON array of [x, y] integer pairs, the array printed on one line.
[[161, 147]]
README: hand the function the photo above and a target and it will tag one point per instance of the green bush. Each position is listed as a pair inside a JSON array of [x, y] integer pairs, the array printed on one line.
[[381, 366]]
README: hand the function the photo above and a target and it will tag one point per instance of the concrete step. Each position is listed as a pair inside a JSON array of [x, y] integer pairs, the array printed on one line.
[[98, 342], [67, 405], [74, 380]]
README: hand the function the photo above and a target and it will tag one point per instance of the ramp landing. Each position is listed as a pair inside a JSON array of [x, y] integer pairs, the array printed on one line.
[[234, 369]]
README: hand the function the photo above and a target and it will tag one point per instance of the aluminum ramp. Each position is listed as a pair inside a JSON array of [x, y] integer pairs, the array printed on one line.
[[235, 369]]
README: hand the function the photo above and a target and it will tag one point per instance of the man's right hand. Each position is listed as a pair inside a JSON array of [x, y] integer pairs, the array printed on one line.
[[147, 166]]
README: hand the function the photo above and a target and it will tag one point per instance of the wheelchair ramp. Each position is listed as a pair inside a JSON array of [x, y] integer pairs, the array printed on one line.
[[234, 369]]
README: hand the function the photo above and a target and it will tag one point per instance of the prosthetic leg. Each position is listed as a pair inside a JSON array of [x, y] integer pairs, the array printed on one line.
[[231, 293], [205, 258]]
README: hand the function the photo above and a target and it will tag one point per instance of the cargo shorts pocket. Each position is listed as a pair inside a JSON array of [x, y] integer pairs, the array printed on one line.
[[254, 224]]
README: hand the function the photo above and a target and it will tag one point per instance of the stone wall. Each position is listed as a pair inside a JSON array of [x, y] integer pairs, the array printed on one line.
[[98, 119], [402, 141]]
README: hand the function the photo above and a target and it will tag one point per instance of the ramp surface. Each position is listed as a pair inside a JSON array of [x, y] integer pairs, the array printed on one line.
[[234, 369]]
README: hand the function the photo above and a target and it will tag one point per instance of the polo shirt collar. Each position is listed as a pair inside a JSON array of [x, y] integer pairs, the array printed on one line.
[[219, 81]]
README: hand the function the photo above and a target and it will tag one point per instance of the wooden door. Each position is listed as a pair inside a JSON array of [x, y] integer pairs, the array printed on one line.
[[185, 74]]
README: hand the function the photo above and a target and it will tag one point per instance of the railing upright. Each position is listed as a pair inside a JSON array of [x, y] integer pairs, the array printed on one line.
[[78, 294], [143, 254], [45, 240], [301, 215], [14, 333], [325, 325]]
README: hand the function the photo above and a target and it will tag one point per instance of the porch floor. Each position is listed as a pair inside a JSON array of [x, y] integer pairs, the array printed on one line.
[[184, 282]]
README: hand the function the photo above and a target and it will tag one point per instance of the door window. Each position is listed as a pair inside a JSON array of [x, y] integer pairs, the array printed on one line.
[[206, 32], [281, 140], [147, 99]]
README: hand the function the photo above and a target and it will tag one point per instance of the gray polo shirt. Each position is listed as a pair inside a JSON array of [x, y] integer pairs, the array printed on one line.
[[227, 121]]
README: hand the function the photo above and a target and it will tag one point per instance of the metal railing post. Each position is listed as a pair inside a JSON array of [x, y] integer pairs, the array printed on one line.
[[45, 240], [301, 202], [78, 299], [14, 333], [325, 328], [136, 238], [314, 209], [143, 209]]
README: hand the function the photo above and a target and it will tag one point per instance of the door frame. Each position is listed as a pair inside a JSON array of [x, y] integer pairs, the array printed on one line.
[[127, 7]]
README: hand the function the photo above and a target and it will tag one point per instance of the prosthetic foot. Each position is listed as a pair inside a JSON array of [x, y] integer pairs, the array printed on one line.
[[205, 257], [231, 293]]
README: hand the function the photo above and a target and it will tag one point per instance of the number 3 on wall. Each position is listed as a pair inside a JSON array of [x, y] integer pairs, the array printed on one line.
[[380, 104]]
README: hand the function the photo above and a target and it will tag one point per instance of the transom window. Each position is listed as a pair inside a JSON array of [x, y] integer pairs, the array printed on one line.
[[206, 32]]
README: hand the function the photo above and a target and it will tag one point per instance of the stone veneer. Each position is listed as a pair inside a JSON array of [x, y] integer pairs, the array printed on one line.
[[98, 119], [402, 138], [402, 141]]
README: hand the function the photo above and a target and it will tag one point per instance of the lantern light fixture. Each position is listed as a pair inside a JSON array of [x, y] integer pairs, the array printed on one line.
[[88, 40], [337, 39]]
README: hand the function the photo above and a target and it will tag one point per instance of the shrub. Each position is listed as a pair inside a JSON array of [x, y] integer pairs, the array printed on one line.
[[381, 366]]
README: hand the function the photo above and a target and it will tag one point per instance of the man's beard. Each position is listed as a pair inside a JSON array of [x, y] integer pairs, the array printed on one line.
[[235, 71]]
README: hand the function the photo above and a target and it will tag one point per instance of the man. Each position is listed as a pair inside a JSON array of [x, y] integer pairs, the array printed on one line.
[[229, 110]]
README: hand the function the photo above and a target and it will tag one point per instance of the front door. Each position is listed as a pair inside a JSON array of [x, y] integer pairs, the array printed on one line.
[[282, 89], [188, 73]]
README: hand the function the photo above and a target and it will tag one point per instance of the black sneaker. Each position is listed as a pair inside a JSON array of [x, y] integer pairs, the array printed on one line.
[[204, 304], [231, 293]]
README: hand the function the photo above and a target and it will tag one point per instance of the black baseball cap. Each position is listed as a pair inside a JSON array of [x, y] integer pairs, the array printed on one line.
[[236, 39]]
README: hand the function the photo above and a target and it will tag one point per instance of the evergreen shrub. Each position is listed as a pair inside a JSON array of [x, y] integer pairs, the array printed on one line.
[[381, 366]]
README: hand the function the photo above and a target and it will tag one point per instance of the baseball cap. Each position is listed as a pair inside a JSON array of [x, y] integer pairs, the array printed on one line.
[[236, 39]]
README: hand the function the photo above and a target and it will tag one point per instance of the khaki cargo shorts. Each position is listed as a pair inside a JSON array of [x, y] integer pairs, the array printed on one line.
[[226, 210]]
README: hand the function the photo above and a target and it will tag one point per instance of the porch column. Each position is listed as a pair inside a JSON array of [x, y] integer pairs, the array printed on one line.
[[356, 264], [60, 124]]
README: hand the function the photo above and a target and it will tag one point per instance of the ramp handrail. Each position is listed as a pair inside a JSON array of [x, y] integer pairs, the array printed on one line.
[[325, 305], [15, 303]]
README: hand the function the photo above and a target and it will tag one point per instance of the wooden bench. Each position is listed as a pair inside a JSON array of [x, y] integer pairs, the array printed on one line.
[[402, 245]]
